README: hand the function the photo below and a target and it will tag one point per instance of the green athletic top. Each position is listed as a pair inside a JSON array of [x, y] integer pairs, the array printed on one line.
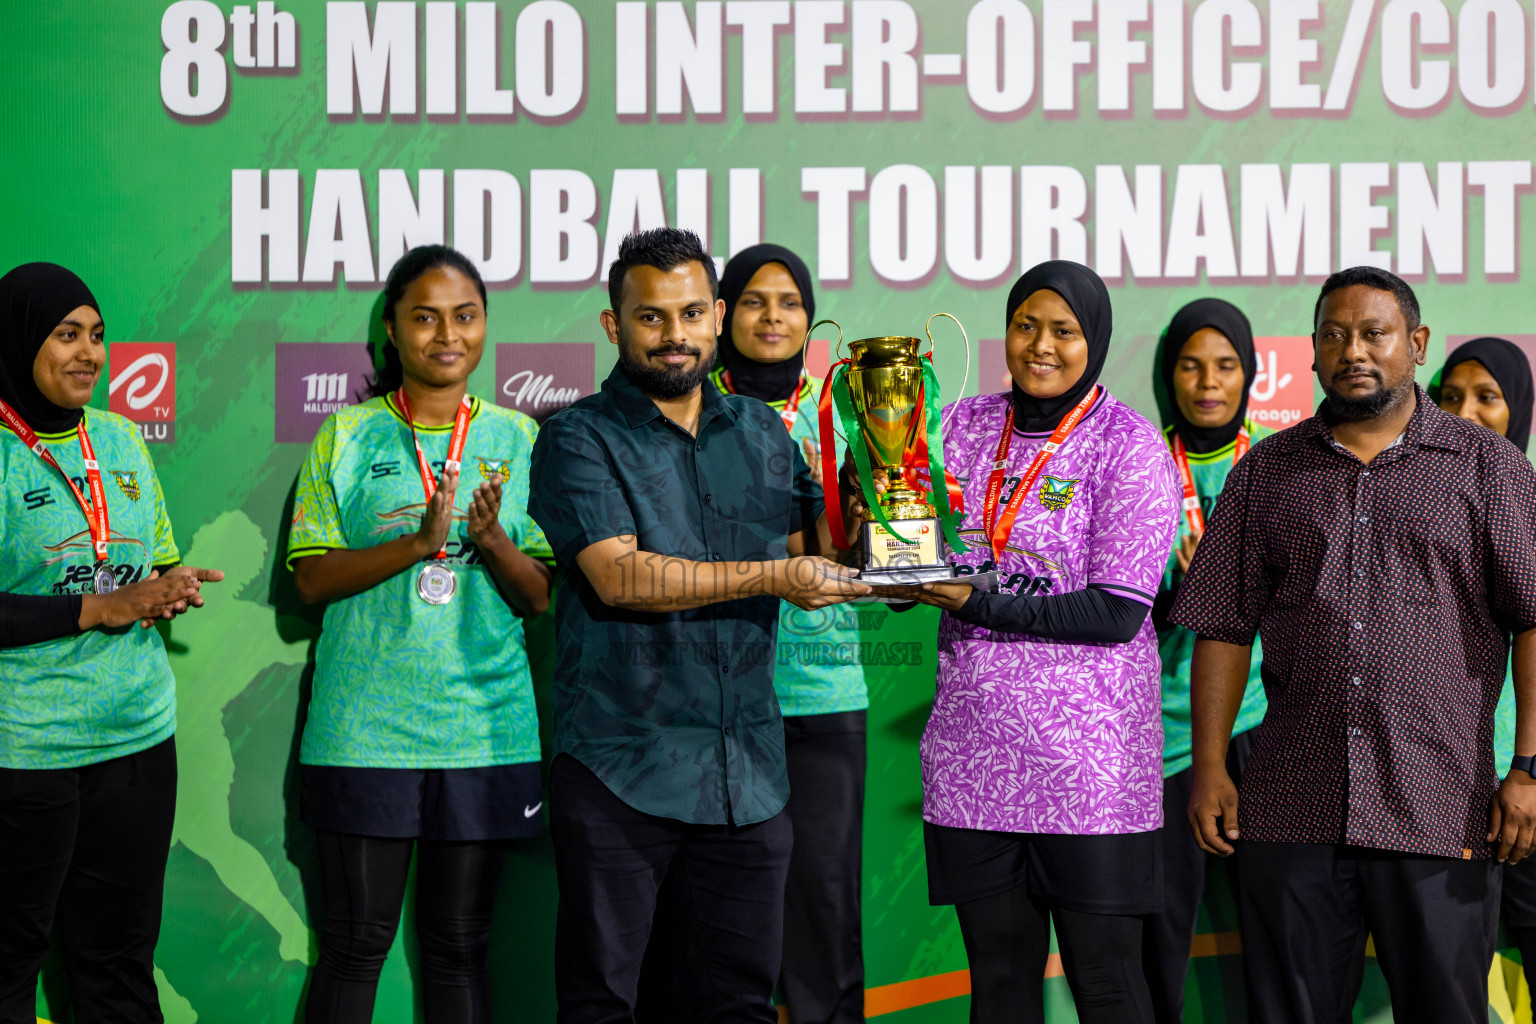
[[400, 683], [818, 669], [1176, 644], [99, 694]]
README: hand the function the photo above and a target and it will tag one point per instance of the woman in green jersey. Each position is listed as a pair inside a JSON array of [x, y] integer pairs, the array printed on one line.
[[87, 702], [1207, 365], [410, 521], [1488, 381]]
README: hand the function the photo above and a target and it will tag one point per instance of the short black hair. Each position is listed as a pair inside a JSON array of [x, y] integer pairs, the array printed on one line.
[[1372, 277], [389, 375], [662, 248]]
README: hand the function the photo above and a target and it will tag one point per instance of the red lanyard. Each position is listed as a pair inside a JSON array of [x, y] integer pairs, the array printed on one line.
[[96, 509], [455, 446], [1192, 511], [791, 410], [997, 527]]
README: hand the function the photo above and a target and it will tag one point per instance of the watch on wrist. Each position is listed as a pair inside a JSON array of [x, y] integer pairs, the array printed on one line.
[[1523, 764]]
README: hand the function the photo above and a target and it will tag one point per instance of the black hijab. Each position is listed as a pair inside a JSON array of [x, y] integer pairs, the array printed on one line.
[[769, 382], [1084, 291], [34, 298], [1509, 366], [1230, 321]]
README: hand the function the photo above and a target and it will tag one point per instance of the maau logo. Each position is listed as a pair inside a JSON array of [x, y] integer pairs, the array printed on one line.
[[313, 381], [141, 386], [541, 378]]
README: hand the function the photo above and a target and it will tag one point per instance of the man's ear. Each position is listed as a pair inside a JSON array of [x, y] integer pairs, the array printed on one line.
[[719, 317], [1421, 344], [610, 324]]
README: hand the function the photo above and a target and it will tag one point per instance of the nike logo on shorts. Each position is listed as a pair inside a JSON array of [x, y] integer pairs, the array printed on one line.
[[529, 812]]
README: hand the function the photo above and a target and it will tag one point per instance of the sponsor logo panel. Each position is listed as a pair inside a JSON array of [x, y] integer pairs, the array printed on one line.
[[313, 381], [141, 386], [541, 378]]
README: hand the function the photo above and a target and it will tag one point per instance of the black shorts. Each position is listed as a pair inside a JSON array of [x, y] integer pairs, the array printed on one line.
[[1108, 874], [460, 805]]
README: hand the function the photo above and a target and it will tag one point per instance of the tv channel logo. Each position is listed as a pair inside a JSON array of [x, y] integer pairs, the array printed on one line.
[[141, 386]]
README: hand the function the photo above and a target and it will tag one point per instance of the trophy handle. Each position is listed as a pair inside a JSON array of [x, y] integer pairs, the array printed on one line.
[[928, 329], [837, 349]]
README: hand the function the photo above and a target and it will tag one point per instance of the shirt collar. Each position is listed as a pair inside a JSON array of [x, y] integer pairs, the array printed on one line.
[[1429, 426], [638, 408]]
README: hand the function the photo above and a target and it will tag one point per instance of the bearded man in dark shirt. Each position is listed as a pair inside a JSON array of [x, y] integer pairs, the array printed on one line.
[[1385, 551]]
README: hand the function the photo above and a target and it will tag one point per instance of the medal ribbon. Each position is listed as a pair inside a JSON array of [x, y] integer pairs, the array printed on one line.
[[832, 498], [455, 446], [791, 411], [1192, 513], [96, 509], [996, 528]]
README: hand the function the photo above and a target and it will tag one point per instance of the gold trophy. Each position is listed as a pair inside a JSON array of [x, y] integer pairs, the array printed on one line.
[[887, 396]]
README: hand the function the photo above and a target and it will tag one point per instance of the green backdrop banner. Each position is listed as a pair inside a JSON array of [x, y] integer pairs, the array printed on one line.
[[234, 181]]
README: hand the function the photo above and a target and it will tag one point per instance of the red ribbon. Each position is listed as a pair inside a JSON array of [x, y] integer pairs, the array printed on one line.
[[830, 491]]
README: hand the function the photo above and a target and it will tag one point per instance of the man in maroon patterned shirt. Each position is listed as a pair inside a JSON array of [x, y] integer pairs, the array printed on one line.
[[1386, 553]]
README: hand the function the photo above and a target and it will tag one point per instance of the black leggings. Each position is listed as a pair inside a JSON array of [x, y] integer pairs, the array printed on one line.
[[364, 879], [1008, 939]]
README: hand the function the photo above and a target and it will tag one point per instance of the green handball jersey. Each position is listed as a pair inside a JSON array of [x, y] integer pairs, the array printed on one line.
[[100, 694], [819, 668], [1176, 644], [400, 683]]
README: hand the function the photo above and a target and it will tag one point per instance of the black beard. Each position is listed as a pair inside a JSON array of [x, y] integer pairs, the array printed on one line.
[[662, 382], [1358, 410]]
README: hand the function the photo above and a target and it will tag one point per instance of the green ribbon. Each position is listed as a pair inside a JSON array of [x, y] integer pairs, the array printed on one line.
[[937, 479], [855, 435]]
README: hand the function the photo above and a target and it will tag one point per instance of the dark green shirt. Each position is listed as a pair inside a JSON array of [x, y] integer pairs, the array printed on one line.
[[675, 712]]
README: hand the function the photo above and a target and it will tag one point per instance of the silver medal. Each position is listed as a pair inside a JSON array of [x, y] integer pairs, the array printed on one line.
[[436, 583], [105, 580]]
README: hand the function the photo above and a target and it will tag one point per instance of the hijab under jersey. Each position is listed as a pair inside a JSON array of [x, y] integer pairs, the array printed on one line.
[[1084, 292], [1508, 365], [1230, 321], [34, 299], [768, 382]]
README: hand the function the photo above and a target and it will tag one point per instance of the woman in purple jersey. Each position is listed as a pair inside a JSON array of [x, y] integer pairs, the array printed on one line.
[[1042, 760]]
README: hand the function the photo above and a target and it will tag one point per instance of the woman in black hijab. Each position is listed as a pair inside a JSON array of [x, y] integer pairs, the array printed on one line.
[[769, 306], [1206, 364], [87, 708], [1044, 684], [1488, 381]]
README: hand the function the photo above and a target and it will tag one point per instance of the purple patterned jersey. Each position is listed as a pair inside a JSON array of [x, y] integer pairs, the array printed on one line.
[[1028, 735]]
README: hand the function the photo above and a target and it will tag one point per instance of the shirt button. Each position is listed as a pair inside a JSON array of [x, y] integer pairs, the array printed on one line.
[[727, 730], [698, 447], [718, 557], [1362, 519], [1359, 572], [1359, 626], [1355, 680], [1366, 473], [1354, 730], [709, 497]]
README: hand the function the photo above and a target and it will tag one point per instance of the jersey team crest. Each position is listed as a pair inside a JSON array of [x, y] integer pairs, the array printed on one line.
[[128, 481], [1056, 493], [493, 469]]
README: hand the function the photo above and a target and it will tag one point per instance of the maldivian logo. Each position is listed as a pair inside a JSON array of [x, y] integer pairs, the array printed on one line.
[[541, 378], [1056, 493], [313, 381], [141, 386]]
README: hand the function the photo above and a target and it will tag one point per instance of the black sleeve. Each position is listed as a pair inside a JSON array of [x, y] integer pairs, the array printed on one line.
[[31, 619], [1091, 616], [1162, 605]]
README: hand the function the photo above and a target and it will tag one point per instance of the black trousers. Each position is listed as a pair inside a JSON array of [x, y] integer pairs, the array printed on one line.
[[85, 849], [1167, 937], [1518, 912], [823, 967], [1306, 911], [610, 860]]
